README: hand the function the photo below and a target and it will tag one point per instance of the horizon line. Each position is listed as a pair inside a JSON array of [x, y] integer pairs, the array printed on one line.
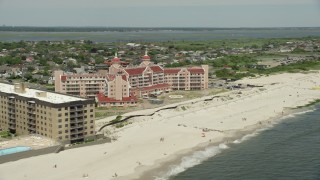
[[200, 27]]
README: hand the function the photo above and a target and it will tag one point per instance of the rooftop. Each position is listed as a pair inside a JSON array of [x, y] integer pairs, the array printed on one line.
[[50, 97]]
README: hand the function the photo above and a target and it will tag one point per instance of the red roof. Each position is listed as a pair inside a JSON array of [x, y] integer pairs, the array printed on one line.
[[135, 71], [115, 60], [124, 77], [196, 70], [111, 77], [172, 71], [157, 86], [109, 62], [63, 78], [102, 98], [145, 57], [156, 69]]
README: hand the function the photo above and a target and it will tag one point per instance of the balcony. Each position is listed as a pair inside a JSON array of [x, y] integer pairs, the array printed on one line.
[[11, 103], [76, 109], [12, 121], [32, 127], [31, 131], [76, 131], [12, 127], [11, 111], [30, 113], [32, 122], [76, 120], [76, 125], [75, 137], [32, 117], [74, 115]]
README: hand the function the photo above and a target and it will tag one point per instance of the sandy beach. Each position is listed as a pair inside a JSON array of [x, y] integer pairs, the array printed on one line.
[[149, 144]]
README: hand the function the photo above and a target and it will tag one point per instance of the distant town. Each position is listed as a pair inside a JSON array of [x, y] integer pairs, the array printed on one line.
[[35, 62]]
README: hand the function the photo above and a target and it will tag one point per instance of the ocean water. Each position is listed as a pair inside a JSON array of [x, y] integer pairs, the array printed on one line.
[[287, 151]]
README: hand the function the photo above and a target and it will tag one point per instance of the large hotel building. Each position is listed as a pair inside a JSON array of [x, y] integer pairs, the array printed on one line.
[[120, 86], [61, 117]]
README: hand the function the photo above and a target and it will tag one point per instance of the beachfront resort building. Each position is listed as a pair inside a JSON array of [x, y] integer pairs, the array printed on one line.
[[61, 117], [121, 86], [108, 89], [83, 85]]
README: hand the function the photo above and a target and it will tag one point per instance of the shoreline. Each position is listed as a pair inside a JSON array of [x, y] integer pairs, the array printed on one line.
[[165, 165], [137, 153]]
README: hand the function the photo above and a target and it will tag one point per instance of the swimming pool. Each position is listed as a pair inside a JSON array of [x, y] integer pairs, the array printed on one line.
[[14, 150]]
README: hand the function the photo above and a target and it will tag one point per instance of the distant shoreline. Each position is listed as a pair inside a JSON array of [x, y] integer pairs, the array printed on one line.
[[134, 29], [108, 35]]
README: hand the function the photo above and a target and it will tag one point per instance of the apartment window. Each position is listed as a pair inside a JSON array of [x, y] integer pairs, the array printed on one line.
[[59, 115], [66, 108], [66, 125], [66, 114], [59, 109], [60, 126], [59, 120], [66, 131], [91, 110], [66, 136]]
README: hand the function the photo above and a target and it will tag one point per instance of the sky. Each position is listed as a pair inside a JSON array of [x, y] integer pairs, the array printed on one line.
[[161, 13]]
